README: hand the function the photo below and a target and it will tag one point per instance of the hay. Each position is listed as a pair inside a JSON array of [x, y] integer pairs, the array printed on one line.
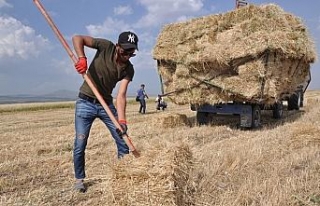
[[159, 177], [170, 120], [253, 54]]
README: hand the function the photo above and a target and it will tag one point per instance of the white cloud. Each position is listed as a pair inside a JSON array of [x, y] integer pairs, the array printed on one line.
[[122, 10], [143, 61], [64, 64], [108, 27], [19, 40], [3, 3], [167, 10]]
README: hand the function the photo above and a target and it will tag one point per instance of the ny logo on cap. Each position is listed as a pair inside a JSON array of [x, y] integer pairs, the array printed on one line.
[[131, 38]]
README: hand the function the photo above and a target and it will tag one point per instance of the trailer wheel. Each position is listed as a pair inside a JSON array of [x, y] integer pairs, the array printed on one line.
[[278, 110], [294, 101], [256, 116], [301, 98], [202, 118]]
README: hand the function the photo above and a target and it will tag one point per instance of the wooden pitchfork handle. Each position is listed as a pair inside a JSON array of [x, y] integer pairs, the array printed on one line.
[[86, 78]]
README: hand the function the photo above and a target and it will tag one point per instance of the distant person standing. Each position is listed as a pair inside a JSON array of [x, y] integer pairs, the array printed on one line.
[[141, 94]]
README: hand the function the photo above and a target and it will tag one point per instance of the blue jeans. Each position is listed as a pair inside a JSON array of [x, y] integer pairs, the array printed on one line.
[[143, 106], [85, 113]]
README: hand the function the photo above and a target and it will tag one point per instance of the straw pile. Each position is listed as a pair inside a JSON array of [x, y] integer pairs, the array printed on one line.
[[159, 178], [253, 54], [170, 120]]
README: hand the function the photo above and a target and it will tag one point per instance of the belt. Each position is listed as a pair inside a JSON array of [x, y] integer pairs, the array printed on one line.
[[89, 99]]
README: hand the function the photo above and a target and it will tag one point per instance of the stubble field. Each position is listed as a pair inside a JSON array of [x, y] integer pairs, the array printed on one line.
[[277, 164]]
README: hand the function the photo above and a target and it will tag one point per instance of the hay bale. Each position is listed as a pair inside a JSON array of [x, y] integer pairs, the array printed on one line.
[[159, 177], [170, 120], [253, 54]]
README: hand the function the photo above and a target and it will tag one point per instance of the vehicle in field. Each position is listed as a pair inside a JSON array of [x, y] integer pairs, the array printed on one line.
[[236, 63], [250, 113]]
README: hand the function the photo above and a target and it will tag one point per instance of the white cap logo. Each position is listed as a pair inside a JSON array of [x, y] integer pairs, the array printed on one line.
[[131, 38]]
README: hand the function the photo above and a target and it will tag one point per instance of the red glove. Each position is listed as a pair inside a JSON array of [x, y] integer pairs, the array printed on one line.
[[81, 65], [124, 127]]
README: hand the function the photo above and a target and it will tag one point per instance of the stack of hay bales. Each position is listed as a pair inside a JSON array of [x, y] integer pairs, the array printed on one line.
[[159, 177], [253, 54]]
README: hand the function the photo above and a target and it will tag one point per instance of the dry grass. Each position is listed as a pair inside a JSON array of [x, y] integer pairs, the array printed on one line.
[[159, 177], [276, 165]]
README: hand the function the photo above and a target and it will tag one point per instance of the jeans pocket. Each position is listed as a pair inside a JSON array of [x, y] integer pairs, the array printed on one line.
[[85, 109]]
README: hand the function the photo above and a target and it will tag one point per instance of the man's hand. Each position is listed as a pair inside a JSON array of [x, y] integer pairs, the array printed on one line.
[[81, 65], [124, 127]]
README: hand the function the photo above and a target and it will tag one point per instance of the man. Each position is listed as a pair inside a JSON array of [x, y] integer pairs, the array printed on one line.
[[141, 95], [161, 104], [109, 66]]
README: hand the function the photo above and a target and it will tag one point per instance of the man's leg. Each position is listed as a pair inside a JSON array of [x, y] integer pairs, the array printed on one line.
[[84, 116], [144, 106], [122, 147], [141, 106]]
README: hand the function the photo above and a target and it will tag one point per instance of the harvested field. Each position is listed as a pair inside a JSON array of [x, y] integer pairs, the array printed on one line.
[[276, 165]]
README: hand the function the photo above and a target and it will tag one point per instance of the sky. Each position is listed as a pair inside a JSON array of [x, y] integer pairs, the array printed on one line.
[[32, 60]]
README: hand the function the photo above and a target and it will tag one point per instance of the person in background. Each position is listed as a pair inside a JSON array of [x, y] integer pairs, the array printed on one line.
[[109, 66], [161, 104], [142, 95]]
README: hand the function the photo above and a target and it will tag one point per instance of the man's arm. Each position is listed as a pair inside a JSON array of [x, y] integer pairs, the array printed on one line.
[[121, 101], [79, 41], [145, 94]]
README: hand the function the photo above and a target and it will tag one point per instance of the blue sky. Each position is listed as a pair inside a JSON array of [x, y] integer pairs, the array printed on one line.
[[32, 60]]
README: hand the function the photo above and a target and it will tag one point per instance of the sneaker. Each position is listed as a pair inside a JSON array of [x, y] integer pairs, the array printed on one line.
[[79, 186]]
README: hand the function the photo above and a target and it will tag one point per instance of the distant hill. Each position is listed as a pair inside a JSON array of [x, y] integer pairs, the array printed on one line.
[[60, 95], [56, 96]]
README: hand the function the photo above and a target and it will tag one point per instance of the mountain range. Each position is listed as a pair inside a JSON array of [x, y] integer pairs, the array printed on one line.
[[60, 95], [57, 96]]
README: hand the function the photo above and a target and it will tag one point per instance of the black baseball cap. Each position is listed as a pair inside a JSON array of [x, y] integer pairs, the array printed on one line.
[[128, 40]]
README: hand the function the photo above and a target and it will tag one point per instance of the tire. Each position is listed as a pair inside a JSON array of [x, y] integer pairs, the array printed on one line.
[[294, 101], [203, 118], [256, 116], [301, 98], [277, 110]]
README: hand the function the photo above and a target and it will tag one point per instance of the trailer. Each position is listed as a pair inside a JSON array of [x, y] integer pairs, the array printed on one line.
[[219, 65], [250, 113]]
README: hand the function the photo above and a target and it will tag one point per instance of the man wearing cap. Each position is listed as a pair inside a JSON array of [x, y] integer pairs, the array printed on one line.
[[110, 65]]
